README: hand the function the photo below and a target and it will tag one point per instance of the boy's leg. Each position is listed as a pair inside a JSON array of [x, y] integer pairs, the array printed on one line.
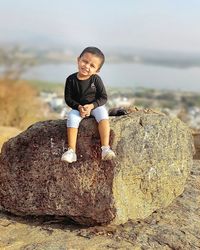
[[101, 116], [73, 121], [72, 138], [104, 132]]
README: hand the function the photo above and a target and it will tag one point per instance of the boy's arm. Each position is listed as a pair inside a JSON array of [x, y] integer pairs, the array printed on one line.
[[68, 96], [101, 96]]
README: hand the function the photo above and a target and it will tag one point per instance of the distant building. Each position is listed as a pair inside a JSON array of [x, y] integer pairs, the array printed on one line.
[[53, 100]]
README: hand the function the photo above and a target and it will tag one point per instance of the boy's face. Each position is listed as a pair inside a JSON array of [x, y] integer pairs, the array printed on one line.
[[88, 64]]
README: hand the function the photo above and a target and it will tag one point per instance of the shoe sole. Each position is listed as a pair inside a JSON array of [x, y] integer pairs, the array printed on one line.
[[65, 160], [109, 157]]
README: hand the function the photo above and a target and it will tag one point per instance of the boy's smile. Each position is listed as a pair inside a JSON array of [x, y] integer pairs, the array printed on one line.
[[88, 64]]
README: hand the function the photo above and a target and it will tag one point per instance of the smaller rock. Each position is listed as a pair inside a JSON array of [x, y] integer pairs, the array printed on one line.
[[196, 137]]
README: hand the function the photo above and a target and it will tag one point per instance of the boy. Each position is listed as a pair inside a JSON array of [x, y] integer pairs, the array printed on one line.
[[86, 94]]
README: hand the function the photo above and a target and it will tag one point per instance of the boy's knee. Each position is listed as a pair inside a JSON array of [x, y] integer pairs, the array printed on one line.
[[73, 119], [103, 120], [72, 124], [100, 114]]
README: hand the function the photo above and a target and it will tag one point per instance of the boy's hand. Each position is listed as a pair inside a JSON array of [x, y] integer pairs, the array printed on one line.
[[88, 108], [85, 110], [82, 111]]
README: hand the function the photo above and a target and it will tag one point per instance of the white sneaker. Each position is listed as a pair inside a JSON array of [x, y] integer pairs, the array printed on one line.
[[107, 153], [69, 156]]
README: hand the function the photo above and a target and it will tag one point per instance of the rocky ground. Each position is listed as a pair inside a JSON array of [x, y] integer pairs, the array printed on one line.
[[175, 227]]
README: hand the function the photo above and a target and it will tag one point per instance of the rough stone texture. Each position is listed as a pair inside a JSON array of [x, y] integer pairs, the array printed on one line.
[[196, 137], [154, 155], [175, 227]]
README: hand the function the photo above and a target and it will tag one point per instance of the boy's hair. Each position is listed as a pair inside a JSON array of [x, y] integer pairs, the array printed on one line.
[[95, 51]]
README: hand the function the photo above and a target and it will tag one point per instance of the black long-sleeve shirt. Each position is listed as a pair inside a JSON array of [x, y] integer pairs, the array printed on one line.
[[81, 92]]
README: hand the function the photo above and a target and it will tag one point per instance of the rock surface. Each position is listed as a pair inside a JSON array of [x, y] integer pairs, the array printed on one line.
[[174, 227], [196, 137], [154, 155]]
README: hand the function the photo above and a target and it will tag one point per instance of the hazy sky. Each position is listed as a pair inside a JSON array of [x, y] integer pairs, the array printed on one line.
[[145, 24]]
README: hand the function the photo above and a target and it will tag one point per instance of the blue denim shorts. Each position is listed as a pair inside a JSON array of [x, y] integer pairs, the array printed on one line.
[[74, 118]]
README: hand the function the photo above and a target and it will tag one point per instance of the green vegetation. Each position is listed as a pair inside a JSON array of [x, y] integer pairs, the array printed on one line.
[[190, 101], [153, 98], [47, 86]]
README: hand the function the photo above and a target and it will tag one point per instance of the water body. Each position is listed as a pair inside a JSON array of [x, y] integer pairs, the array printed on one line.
[[127, 75]]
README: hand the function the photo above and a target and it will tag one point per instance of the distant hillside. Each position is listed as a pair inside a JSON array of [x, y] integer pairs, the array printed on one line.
[[129, 55], [48, 86]]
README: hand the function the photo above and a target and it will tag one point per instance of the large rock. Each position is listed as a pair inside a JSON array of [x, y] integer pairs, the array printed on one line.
[[154, 155], [196, 136]]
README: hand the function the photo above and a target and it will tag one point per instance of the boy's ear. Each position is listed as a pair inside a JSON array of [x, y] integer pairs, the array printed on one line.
[[78, 58]]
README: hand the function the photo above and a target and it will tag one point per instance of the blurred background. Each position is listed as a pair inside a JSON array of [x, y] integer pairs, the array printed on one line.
[[152, 51]]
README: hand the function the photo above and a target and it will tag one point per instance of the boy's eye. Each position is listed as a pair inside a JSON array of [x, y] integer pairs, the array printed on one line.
[[92, 66]]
